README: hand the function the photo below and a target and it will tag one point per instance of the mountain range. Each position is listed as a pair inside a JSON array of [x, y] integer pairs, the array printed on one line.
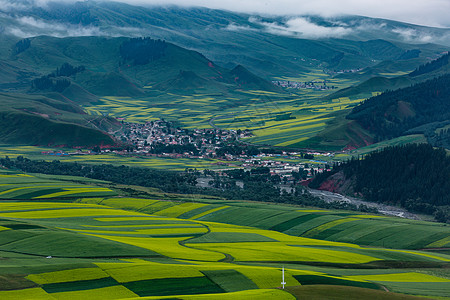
[[188, 51]]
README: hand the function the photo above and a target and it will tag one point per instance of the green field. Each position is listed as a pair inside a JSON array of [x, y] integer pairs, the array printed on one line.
[[256, 110], [163, 256], [347, 227], [166, 163], [23, 186], [69, 246]]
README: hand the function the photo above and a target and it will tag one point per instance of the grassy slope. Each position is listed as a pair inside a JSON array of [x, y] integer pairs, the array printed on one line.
[[59, 122]]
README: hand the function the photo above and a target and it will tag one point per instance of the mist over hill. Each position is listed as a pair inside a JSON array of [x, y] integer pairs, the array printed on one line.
[[265, 45], [123, 50]]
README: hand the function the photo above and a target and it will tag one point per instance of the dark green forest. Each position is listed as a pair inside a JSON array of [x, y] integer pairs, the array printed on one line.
[[414, 176], [141, 51], [53, 81], [431, 66]]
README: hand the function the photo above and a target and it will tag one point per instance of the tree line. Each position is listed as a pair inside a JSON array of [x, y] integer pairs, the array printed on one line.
[[141, 51], [176, 182], [413, 176], [431, 66], [53, 81]]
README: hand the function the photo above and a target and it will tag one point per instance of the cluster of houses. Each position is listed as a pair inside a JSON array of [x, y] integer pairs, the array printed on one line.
[[144, 137], [315, 85]]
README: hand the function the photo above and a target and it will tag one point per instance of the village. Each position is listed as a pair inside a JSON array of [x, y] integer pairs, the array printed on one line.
[[162, 139], [314, 85]]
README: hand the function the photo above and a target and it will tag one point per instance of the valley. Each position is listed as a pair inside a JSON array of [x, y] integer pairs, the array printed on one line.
[[177, 152]]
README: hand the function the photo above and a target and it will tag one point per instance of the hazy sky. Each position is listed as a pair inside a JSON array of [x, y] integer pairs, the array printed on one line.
[[423, 12]]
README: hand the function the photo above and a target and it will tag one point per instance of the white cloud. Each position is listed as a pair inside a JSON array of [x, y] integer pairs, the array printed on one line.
[[235, 27], [6, 5], [303, 28], [29, 26], [411, 35]]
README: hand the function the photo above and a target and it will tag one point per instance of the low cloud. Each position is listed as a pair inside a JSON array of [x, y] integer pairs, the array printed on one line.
[[10, 6], [235, 27], [414, 36], [302, 27], [29, 27]]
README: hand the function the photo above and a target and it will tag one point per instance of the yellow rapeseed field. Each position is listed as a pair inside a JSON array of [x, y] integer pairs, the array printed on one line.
[[68, 275]]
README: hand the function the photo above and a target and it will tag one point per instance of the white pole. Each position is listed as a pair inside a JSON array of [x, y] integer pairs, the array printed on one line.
[[282, 281]]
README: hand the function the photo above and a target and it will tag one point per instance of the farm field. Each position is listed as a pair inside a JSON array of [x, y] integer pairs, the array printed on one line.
[[73, 250], [278, 119], [334, 226], [178, 164], [15, 185], [86, 243]]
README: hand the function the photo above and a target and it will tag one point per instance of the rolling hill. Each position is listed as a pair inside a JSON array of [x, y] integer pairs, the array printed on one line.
[[195, 52], [393, 113], [122, 67], [226, 37], [374, 83], [39, 120]]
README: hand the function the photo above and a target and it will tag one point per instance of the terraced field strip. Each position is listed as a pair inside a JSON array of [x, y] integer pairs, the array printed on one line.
[[174, 286], [230, 280], [68, 212], [278, 251], [123, 272], [180, 209], [208, 212], [157, 231], [334, 280], [401, 277], [111, 292], [68, 275], [168, 246], [442, 243], [313, 232]]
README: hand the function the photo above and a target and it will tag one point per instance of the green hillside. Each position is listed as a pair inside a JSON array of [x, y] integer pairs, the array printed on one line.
[[226, 37], [393, 113], [391, 80], [38, 120], [119, 67]]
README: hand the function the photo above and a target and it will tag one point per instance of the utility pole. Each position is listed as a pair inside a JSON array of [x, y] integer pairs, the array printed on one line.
[[282, 280]]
